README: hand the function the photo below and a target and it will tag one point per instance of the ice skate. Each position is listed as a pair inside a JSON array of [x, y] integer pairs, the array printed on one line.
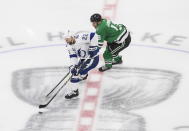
[[117, 60], [72, 94], [104, 68]]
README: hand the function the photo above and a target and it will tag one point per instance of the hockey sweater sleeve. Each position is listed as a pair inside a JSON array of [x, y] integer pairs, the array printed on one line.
[[101, 33], [72, 54], [94, 45]]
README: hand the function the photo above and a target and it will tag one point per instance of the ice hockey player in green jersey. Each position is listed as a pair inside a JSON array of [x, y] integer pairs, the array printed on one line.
[[117, 36]]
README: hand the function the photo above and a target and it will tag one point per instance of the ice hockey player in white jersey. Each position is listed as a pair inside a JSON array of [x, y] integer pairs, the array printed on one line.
[[83, 50]]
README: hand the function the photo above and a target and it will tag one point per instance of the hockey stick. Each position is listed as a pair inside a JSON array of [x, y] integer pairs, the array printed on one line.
[[58, 84], [45, 105]]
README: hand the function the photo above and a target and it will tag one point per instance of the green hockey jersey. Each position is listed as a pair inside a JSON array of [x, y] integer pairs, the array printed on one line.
[[111, 32]]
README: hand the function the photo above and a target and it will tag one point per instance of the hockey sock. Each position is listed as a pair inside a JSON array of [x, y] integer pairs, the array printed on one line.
[[108, 58]]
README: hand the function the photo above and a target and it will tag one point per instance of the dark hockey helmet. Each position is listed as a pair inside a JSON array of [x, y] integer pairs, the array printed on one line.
[[96, 18]]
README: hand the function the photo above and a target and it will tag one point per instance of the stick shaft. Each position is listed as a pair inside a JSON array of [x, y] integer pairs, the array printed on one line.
[[58, 84]]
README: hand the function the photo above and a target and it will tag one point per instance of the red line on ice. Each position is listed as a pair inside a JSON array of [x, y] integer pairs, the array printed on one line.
[[90, 102]]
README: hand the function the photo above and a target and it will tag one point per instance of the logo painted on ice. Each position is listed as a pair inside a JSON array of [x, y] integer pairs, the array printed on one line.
[[130, 88]]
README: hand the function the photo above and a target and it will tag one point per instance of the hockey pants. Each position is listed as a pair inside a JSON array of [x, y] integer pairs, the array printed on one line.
[[113, 49], [89, 65]]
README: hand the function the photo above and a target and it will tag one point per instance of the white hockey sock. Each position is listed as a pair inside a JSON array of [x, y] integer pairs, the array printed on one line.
[[71, 87], [74, 86]]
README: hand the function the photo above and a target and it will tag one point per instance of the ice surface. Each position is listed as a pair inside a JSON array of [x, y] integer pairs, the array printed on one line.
[[149, 92], [130, 88]]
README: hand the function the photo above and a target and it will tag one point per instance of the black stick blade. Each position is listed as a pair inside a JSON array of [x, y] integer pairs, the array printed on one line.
[[42, 106]]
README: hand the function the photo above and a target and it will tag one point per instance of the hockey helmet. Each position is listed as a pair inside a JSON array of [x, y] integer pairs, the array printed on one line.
[[96, 17]]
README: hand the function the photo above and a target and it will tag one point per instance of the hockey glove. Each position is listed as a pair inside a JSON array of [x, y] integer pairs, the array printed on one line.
[[74, 69]]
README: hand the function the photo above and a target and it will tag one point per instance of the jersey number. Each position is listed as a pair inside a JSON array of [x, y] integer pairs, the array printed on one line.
[[84, 37], [115, 27]]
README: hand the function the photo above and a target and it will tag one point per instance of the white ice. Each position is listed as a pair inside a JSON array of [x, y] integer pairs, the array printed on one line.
[[30, 22]]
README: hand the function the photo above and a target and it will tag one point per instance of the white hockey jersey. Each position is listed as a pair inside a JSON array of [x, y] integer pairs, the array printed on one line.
[[86, 44]]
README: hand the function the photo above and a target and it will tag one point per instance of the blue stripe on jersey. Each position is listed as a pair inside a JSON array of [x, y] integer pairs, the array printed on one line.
[[92, 35], [73, 55]]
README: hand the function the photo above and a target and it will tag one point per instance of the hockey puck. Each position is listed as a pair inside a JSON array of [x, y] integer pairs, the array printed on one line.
[[40, 112]]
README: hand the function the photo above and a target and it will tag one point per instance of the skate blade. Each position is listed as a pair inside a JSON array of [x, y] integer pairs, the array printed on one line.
[[74, 98]]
